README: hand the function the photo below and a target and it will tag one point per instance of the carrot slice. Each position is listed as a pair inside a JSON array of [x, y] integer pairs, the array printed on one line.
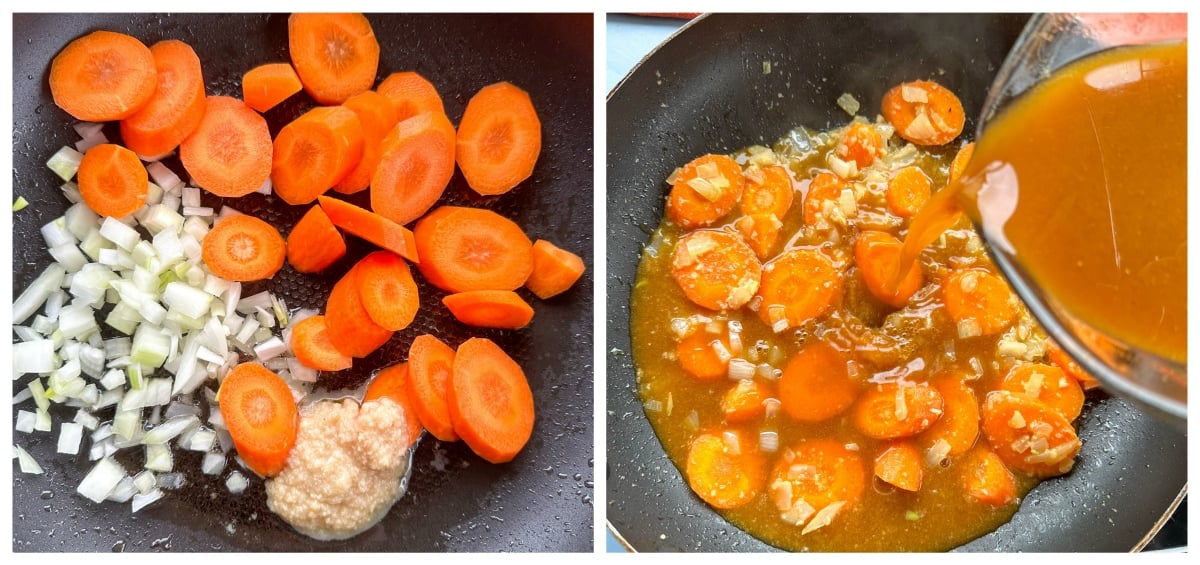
[[243, 248], [314, 152], [743, 402], [499, 139], [760, 232], [725, 469], [314, 243], [502, 309], [704, 190], [958, 426], [265, 86], [704, 355], [411, 94], [350, 327], [113, 181], [900, 465], [1068, 365], [430, 368], [416, 163], [229, 153], [371, 226], [465, 249], [825, 187], [377, 117], [924, 112], [979, 302], [312, 347], [1028, 435], [768, 190], [261, 415], [861, 144], [490, 401], [797, 286], [177, 106], [877, 255], [335, 55], [897, 409], [387, 290], [716, 269], [554, 270], [959, 165], [986, 479], [392, 383], [814, 474], [103, 76], [908, 191], [816, 384], [1049, 384]]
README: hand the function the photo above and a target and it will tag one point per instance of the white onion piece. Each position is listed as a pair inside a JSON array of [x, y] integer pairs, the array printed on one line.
[[23, 395], [167, 431], [119, 233], [213, 464], [202, 440], [42, 422], [170, 481], [740, 369], [271, 348], [69, 437], [26, 461], [145, 482], [236, 482], [25, 421], [101, 480], [140, 501], [32, 298], [123, 491], [55, 233], [86, 419], [35, 356], [768, 441], [158, 458]]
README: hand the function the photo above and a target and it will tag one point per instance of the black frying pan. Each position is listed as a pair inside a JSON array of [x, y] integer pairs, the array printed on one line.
[[542, 501], [705, 91]]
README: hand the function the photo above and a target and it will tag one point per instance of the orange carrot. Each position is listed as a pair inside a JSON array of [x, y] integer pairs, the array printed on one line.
[[416, 162], [861, 144], [959, 165], [229, 153], [103, 76], [314, 152], [715, 269], [768, 190], [704, 191], [877, 254], [430, 368], [1068, 365], [335, 55], [816, 384], [1049, 384], [261, 415], [979, 302], [371, 226], [958, 426], [177, 106], [900, 465], [465, 249], [554, 270], [1028, 435], [797, 286], [725, 469], [312, 347], [908, 191], [411, 94], [387, 290], [314, 243], [499, 139], [704, 355], [490, 402], [243, 248], [743, 402], [825, 187], [113, 181], [265, 86], [502, 309], [760, 232], [896, 409], [349, 326], [986, 479], [924, 112], [392, 383], [813, 474], [376, 116]]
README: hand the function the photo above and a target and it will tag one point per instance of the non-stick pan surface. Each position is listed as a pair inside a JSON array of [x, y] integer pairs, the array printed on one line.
[[706, 90], [542, 501]]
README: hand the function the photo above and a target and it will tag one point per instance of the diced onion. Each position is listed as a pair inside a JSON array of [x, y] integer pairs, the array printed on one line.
[[741, 369], [32, 298], [25, 421], [213, 464], [167, 431], [823, 517], [768, 441], [26, 461], [158, 458], [35, 356], [145, 482], [101, 480], [140, 501], [65, 162], [69, 437], [123, 491], [236, 482]]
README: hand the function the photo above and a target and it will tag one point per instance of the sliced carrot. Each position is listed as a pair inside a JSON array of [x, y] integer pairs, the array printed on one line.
[[1068, 365], [261, 415], [760, 232], [813, 474], [897, 409], [392, 383], [113, 181], [725, 469], [376, 117], [416, 162], [1028, 435], [825, 187], [797, 286], [924, 112], [349, 326], [900, 465], [554, 270], [314, 243], [716, 269], [959, 165], [312, 346], [490, 404], [503, 309], [768, 190], [411, 94], [705, 356], [314, 152], [861, 144], [472, 249], [243, 248], [371, 226], [877, 255], [387, 289], [430, 368], [986, 479], [499, 139], [335, 55], [743, 402], [1049, 384], [816, 384], [265, 86], [704, 191], [103, 76], [979, 302], [908, 190], [229, 153], [177, 106], [958, 426]]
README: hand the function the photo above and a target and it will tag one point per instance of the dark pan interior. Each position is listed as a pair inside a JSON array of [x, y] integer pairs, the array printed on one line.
[[542, 501], [705, 91]]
